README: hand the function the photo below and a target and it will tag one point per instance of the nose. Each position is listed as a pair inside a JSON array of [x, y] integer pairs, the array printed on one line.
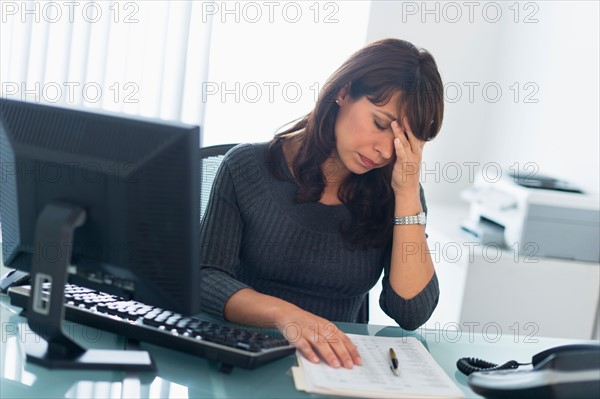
[[385, 148]]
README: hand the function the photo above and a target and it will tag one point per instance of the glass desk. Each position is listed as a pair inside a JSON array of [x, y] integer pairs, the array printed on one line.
[[184, 376]]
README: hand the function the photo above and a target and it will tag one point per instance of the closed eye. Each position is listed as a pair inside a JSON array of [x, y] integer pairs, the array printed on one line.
[[379, 127]]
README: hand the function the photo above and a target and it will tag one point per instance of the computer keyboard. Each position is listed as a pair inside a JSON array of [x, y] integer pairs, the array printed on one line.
[[232, 346]]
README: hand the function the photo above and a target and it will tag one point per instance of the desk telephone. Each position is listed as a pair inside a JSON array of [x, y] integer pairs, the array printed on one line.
[[569, 371]]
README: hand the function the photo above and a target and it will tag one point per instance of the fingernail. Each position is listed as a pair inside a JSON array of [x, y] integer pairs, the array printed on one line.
[[348, 364], [314, 359], [359, 361], [336, 364]]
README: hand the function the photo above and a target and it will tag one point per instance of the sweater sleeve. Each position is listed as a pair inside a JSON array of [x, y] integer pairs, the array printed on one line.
[[220, 235], [408, 313]]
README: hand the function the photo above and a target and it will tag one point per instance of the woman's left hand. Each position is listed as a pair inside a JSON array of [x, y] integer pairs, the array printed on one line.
[[409, 151]]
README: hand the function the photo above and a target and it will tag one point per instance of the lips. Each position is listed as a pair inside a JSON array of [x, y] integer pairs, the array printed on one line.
[[367, 162]]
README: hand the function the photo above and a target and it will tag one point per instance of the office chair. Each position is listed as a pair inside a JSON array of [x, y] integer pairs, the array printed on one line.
[[210, 159], [363, 312]]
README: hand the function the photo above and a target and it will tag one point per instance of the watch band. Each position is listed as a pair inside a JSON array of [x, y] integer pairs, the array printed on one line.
[[420, 218]]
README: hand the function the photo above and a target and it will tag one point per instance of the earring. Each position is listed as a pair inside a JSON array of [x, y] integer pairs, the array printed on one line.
[[337, 102]]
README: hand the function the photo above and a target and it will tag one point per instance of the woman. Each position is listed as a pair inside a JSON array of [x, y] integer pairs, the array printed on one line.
[[298, 230]]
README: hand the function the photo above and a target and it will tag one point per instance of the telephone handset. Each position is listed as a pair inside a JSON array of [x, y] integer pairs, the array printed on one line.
[[569, 371]]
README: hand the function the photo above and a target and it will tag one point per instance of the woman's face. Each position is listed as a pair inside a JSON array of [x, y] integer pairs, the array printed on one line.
[[364, 137]]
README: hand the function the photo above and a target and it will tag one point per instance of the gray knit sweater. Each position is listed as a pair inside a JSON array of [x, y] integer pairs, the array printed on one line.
[[254, 235]]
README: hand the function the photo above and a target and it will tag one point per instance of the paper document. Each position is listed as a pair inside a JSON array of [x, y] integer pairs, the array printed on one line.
[[419, 376]]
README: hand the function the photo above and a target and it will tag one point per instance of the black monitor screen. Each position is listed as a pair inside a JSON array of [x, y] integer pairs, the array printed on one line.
[[136, 179]]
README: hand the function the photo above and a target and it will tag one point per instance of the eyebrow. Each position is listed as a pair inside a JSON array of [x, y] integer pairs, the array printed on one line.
[[392, 117]]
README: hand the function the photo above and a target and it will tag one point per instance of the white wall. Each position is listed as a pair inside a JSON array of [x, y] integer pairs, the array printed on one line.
[[548, 48], [561, 132], [266, 71]]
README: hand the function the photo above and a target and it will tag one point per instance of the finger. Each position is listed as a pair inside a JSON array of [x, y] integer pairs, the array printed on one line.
[[400, 135], [409, 134], [352, 350], [399, 132], [325, 350], [342, 353], [304, 347], [400, 149], [343, 347], [340, 344], [415, 144]]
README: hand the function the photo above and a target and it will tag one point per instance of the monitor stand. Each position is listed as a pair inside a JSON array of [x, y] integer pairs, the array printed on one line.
[[54, 230]]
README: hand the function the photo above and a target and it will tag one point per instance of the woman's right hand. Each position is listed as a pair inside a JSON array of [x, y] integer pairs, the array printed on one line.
[[316, 337]]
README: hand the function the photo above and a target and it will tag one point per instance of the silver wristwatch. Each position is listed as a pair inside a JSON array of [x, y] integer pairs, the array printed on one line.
[[420, 218]]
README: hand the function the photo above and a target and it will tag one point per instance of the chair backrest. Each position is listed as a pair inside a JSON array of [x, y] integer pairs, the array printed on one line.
[[210, 159], [363, 313]]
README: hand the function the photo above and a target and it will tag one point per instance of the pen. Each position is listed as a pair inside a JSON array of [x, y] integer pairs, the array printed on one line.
[[394, 362]]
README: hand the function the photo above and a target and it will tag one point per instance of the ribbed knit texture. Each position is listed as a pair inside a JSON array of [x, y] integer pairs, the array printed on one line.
[[254, 235]]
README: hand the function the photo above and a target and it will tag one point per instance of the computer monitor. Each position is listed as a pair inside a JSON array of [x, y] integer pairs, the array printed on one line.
[[112, 199]]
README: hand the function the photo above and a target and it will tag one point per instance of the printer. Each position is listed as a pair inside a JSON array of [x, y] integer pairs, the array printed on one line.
[[537, 216]]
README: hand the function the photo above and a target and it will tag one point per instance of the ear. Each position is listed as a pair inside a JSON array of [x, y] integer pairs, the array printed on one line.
[[342, 94]]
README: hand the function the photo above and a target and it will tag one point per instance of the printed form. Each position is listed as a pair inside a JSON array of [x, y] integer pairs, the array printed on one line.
[[419, 374]]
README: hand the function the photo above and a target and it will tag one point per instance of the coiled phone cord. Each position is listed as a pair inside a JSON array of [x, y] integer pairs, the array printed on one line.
[[468, 365]]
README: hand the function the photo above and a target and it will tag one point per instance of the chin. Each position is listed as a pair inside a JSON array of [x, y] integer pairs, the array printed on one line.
[[360, 170]]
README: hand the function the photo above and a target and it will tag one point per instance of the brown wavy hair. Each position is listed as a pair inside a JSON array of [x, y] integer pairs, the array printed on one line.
[[378, 71]]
